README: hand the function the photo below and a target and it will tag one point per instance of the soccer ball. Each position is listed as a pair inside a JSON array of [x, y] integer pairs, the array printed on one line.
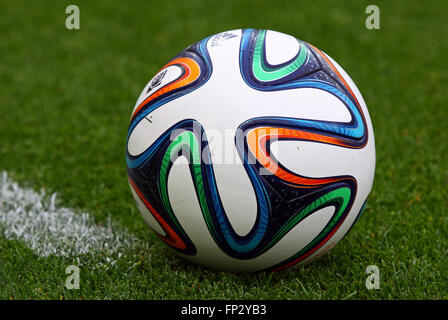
[[250, 150]]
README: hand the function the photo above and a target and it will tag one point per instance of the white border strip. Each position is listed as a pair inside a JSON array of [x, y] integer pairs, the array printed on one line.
[[33, 218]]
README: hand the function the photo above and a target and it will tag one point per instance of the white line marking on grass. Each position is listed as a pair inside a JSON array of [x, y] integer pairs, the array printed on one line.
[[33, 218]]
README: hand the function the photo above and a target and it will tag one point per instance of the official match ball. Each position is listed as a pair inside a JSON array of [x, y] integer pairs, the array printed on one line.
[[250, 150]]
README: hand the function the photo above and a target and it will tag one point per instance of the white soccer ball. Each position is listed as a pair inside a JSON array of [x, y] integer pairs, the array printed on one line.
[[251, 150]]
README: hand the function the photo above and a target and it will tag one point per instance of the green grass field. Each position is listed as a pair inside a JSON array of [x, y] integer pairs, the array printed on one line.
[[65, 102]]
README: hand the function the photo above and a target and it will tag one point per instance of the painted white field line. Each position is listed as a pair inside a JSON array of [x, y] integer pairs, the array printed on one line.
[[35, 219]]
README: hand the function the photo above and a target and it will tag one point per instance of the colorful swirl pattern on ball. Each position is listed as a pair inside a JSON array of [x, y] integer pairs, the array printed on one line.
[[197, 68], [188, 138], [284, 198], [309, 69]]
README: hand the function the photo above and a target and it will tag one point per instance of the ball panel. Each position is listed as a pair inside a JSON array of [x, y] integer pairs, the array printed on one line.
[[147, 215], [237, 196], [280, 48], [141, 137]]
